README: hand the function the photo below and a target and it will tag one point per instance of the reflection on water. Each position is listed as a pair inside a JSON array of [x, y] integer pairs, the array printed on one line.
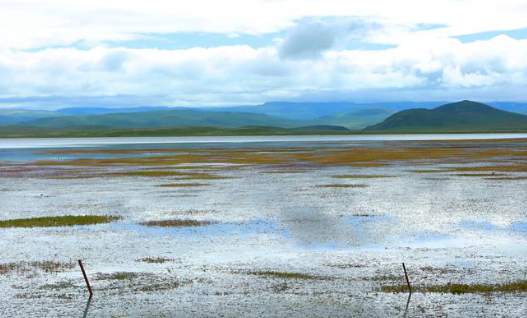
[[257, 226], [517, 226], [477, 225]]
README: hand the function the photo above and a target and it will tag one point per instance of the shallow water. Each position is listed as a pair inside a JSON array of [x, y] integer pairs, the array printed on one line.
[[353, 240], [16, 143]]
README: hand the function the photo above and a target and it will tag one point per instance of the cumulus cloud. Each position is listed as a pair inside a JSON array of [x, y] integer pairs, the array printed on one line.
[[309, 39], [35, 24], [241, 74]]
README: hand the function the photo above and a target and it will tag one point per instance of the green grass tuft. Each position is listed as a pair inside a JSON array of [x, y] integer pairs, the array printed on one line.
[[520, 286], [176, 223], [54, 221], [286, 275], [117, 276], [154, 260], [360, 176]]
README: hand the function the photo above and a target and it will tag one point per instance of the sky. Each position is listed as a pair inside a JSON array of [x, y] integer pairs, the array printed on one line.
[[60, 53]]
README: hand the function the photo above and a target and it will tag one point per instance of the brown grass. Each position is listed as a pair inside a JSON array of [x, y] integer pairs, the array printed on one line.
[[180, 163], [45, 266], [176, 223], [155, 260], [284, 275], [519, 286], [508, 178], [361, 176]]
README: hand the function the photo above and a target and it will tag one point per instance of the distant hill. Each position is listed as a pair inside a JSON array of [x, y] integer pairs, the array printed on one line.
[[466, 116], [291, 110], [92, 131], [314, 110], [462, 116], [321, 128], [103, 110], [166, 118], [356, 119], [11, 116], [520, 108]]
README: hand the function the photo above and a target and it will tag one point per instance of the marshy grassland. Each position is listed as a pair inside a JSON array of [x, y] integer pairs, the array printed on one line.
[[305, 228], [285, 275], [455, 288]]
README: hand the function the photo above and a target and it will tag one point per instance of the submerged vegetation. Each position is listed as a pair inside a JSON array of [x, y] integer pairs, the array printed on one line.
[[519, 286], [340, 185], [57, 221], [169, 173], [45, 266], [117, 276], [176, 223], [285, 275], [353, 156], [155, 260], [361, 176]]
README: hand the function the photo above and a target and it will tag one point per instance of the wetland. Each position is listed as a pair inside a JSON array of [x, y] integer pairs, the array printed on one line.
[[265, 227]]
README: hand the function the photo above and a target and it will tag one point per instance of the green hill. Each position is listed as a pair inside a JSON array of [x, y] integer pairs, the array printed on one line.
[[320, 128], [200, 118], [11, 116], [356, 119], [166, 118], [462, 116]]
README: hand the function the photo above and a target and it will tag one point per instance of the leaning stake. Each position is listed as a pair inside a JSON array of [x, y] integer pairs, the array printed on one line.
[[86, 278], [407, 280]]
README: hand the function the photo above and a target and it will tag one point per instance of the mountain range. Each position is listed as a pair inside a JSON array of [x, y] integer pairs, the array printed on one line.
[[274, 117]]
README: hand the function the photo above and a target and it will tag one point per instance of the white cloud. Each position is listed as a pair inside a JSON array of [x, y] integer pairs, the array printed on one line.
[[40, 51], [33, 24], [241, 74]]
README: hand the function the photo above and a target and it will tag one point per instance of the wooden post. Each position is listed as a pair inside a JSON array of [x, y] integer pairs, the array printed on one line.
[[407, 280], [86, 278]]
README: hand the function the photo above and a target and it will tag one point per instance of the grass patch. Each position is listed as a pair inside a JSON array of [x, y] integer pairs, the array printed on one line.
[[56, 221], [155, 260], [58, 286], [337, 185], [361, 176], [180, 175], [355, 156], [176, 223], [478, 175], [508, 178], [284, 171], [45, 266], [285, 275], [520, 286], [159, 287], [182, 185], [425, 171], [52, 266], [493, 168], [117, 276]]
